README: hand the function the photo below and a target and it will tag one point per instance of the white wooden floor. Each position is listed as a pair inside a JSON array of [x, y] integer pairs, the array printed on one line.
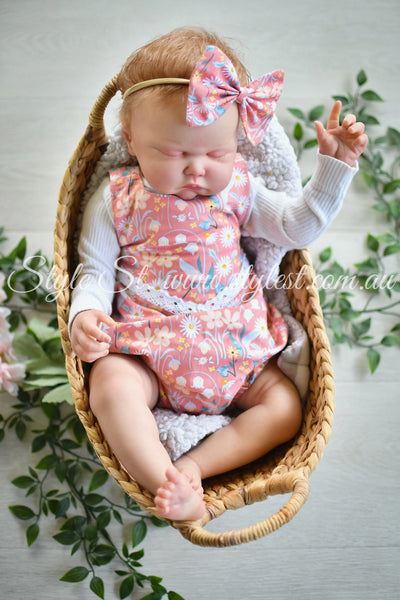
[[55, 58]]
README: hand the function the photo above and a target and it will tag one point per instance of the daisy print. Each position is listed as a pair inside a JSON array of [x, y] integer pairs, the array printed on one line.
[[125, 226], [190, 326], [261, 327], [227, 236], [239, 177], [224, 266], [211, 238]]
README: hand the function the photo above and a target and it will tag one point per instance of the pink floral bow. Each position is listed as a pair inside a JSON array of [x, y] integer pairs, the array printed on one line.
[[214, 86]]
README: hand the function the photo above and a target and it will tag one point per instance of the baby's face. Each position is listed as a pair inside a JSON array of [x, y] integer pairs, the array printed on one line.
[[177, 159]]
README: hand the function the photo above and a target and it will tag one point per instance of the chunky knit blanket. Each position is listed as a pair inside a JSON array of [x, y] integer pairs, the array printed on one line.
[[274, 161]]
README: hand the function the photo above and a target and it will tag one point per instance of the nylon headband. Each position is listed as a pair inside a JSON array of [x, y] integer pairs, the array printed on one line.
[[151, 82]]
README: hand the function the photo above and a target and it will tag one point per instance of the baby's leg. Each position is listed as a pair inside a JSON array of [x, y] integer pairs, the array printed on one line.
[[123, 390], [272, 415]]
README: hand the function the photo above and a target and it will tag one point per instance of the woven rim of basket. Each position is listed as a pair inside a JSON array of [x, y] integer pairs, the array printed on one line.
[[284, 470]]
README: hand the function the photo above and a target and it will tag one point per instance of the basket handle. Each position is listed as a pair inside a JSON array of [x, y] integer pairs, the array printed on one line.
[[195, 533], [96, 116]]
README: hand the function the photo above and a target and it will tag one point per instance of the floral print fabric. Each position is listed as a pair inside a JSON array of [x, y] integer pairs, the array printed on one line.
[[214, 86], [187, 301]]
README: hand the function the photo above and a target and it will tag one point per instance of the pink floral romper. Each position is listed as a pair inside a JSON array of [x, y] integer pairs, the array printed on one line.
[[188, 302]]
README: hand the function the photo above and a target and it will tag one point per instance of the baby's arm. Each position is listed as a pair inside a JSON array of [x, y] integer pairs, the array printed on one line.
[[93, 293]]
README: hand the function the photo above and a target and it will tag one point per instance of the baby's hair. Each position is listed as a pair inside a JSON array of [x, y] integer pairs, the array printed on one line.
[[174, 54]]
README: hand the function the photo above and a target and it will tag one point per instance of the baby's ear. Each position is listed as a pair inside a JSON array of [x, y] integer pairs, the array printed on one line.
[[126, 132]]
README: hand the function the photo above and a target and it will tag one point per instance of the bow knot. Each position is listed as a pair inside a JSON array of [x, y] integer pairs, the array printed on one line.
[[214, 86]]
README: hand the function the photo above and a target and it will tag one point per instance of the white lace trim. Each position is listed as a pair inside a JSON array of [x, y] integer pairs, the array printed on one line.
[[161, 299]]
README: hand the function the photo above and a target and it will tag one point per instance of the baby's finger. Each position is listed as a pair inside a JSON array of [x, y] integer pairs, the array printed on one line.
[[91, 350], [333, 119], [356, 129], [349, 120]]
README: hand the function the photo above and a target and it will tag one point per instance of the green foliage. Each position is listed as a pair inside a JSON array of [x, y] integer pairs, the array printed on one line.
[[67, 477], [352, 296]]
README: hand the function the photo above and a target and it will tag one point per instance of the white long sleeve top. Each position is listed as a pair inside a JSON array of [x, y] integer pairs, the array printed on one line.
[[287, 222]]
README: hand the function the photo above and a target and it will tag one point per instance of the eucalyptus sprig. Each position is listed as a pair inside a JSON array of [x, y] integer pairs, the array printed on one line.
[[352, 296]]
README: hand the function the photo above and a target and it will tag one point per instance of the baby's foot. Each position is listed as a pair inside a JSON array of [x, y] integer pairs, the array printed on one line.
[[177, 500]]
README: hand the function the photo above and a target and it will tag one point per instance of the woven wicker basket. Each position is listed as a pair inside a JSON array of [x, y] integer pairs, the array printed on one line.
[[287, 468]]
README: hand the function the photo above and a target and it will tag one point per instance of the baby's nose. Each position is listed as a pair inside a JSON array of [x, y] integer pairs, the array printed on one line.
[[195, 167]]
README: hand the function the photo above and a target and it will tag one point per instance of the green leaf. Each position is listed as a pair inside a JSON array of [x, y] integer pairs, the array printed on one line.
[[74, 524], [76, 574], [41, 331], [371, 96], [103, 554], [348, 314], [392, 249], [98, 479], [372, 242], [373, 358], [32, 533], [370, 180], [298, 132], [97, 586], [310, 144], [393, 136], [38, 443], [370, 120], [174, 596], [394, 208], [126, 587], [22, 512], [316, 113], [361, 77], [325, 255], [103, 519], [23, 482], [66, 538], [139, 532], [59, 394], [359, 329], [19, 251], [158, 522], [391, 186], [47, 462], [370, 266], [93, 499], [296, 112], [91, 533], [25, 345], [390, 340]]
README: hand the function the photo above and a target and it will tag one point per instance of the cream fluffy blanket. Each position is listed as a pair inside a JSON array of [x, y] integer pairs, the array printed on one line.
[[274, 161]]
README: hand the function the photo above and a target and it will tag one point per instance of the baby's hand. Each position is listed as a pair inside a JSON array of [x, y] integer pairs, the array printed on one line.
[[345, 142], [88, 340]]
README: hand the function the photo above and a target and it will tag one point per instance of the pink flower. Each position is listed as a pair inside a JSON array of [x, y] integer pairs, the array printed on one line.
[[10, 375], [3, 295]]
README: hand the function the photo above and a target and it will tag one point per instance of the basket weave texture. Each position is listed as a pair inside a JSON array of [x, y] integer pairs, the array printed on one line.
[[284, 470]]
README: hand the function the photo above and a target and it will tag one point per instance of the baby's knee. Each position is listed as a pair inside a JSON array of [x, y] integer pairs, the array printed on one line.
[[287, 406], [116, 380]]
